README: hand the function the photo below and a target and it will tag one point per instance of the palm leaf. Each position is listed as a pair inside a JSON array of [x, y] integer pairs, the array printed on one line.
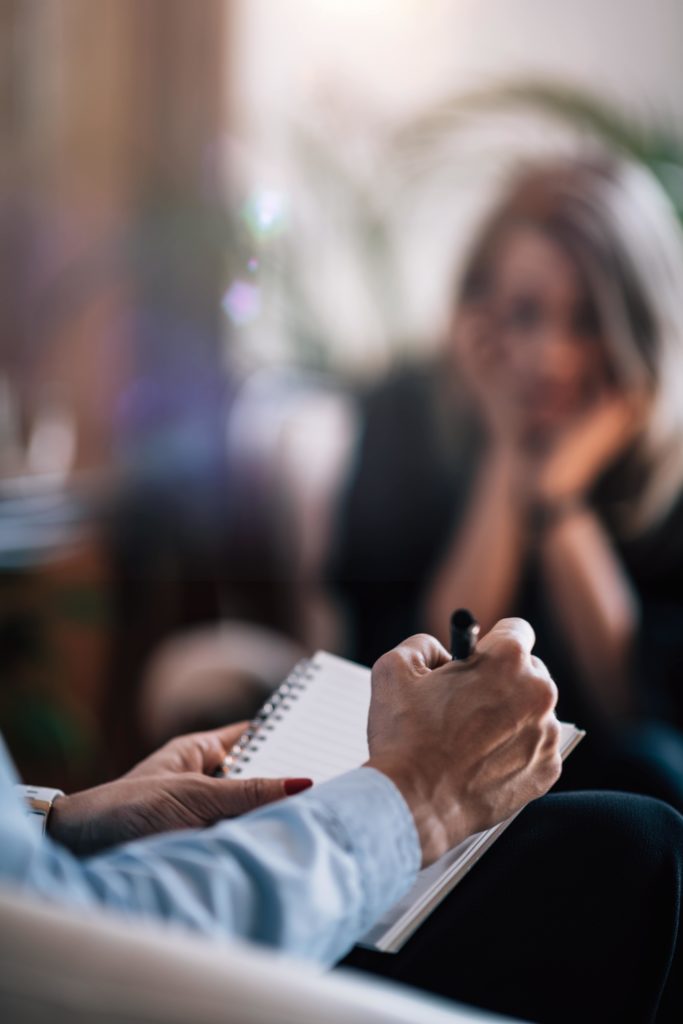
[[650, 140]]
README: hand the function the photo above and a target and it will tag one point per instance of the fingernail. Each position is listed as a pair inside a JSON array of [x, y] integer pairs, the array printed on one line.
[[293, 786]]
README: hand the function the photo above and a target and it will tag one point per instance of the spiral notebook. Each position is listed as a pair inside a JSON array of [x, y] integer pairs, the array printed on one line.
[[314, 726]]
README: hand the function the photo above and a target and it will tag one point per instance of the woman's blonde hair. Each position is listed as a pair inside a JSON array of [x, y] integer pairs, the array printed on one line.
[[622, 232]]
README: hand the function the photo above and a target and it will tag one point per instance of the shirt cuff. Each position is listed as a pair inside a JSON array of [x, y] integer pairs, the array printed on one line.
[[369, 817]]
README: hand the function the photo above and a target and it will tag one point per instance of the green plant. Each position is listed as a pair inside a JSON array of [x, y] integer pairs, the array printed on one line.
[[645, 137]]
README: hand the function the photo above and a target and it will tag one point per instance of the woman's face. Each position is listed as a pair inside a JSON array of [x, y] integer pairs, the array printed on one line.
[[546, 330]]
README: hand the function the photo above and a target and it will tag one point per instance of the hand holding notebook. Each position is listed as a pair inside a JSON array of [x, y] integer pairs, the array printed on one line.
[[316, 725]]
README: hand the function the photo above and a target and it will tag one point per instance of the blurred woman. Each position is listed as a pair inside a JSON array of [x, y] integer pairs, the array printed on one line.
[[537, 468]]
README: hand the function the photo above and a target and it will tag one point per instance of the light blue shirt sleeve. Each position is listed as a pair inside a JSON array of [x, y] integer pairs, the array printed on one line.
[[308, 875]]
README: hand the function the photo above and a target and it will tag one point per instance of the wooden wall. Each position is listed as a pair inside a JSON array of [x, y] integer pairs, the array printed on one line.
[[109, 110]]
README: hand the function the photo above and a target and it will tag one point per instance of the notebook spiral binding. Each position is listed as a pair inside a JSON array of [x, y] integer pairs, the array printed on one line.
[[279, 702]]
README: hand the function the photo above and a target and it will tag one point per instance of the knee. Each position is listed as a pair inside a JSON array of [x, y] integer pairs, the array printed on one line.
[[633, 836]]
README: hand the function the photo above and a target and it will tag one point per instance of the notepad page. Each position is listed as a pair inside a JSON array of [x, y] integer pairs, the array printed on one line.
[[318, 733]]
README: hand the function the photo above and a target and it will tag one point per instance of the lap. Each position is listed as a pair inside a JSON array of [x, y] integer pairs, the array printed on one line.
[[571, 915]]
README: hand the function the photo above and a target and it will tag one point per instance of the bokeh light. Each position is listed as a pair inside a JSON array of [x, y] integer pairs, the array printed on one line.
[[242, 302], [265, 213]]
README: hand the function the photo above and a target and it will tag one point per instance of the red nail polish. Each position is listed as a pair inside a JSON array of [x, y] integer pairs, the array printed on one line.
[[293, 786]]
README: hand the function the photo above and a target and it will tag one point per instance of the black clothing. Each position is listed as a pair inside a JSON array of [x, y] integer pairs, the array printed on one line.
[[573, 915], [409, 489]]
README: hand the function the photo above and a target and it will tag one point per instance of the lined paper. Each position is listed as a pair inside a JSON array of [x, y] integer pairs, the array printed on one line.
[[317, 733]]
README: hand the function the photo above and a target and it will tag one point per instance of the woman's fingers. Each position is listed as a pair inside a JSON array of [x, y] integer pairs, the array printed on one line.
[[231, 797]]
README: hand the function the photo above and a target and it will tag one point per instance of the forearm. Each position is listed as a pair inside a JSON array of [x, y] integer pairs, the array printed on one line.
[[482, 566], [307, 876], [595, 606]]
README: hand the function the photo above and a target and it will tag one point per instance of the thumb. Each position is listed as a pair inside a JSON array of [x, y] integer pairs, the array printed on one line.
[[237, 796]]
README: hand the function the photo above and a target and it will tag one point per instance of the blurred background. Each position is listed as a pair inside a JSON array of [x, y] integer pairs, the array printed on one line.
[[221, 223]]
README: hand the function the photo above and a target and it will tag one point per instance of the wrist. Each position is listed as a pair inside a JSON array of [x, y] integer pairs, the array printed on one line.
[[545, 514], [65, 825], [434, 835]]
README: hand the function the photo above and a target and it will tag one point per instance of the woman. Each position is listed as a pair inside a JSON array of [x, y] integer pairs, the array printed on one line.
[[538, 468]]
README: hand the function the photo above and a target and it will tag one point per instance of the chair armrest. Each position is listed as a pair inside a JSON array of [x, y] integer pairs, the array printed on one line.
[[60, 965]]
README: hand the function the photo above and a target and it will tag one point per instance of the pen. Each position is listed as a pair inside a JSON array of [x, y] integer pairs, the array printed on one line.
[[464, 634]]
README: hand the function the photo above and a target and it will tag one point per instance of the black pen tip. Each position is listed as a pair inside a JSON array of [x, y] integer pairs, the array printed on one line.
[[462, 619]]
